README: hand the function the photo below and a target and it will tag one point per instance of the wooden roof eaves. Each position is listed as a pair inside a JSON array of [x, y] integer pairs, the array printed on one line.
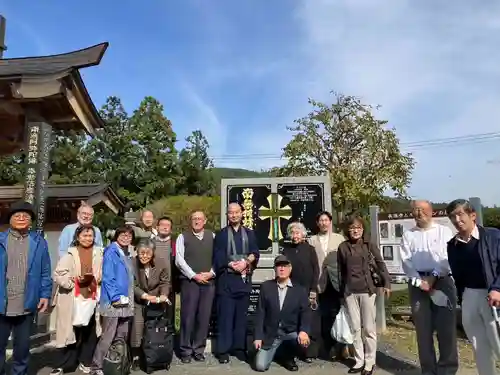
[[88, 104], [82, 58], [16, 191]]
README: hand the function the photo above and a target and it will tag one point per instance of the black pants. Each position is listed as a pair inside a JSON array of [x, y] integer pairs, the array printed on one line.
[[20, 327], [232, 323], [196, 311], [81, 351], [329, 307]]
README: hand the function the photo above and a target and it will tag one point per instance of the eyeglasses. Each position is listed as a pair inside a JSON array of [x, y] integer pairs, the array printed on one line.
[[21, 215], [355, 229]]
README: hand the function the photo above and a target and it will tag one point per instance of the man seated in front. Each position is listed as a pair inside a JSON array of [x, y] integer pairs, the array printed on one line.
[[282, 317]]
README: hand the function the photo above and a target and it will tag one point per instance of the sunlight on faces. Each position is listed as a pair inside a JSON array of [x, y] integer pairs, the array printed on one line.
[[86, 238], [463, 221], [297, 235], [148, 219], [234, 213], [164, 227], [20, 221], [124, 239], [85, 215], [145, 255], [324, 223], [355, 230], [422, 212], [198, 221]]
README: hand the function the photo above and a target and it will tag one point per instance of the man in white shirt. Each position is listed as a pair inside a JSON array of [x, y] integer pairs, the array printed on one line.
[[425, 262], [194, 250]]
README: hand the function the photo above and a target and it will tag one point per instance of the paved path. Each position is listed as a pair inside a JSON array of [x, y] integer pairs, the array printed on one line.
[[387, 364]]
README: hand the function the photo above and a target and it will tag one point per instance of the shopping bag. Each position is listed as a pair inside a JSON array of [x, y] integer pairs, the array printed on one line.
[[341, 329], [83, 308]]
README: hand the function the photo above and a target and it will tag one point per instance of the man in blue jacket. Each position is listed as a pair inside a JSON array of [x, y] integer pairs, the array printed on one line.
[[25, 284]]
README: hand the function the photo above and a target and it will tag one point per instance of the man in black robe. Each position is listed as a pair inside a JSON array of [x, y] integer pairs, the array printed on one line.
[[235, 256]]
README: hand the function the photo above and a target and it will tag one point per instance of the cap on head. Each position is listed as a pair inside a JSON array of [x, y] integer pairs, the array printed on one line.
[[281, 260], [22, 206]]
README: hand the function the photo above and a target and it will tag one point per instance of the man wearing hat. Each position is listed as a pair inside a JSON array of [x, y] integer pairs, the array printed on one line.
[[283, 316], [25, 284]]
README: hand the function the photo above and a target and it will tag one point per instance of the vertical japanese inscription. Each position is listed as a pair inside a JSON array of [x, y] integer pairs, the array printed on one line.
[[43, 173], [37, 168], [33, 142]]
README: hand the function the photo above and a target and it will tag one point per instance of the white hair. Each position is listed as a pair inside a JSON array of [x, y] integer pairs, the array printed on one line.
[[296, 225]]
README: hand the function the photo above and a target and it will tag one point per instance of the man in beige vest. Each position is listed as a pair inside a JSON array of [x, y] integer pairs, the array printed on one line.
[[326, 243]]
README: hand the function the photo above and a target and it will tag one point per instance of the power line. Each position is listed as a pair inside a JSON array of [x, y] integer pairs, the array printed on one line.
[[406, 146]]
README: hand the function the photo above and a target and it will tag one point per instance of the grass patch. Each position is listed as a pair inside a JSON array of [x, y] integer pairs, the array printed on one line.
[[404, 341], [398, 298]]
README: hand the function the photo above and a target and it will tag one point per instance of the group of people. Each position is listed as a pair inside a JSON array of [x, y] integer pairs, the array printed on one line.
[[444, 270], [145, 265]]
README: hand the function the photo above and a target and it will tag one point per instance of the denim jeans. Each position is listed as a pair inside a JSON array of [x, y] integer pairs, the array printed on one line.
[[264, 357]]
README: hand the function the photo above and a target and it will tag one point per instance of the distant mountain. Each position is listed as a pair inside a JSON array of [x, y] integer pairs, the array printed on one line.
[[220, 173]]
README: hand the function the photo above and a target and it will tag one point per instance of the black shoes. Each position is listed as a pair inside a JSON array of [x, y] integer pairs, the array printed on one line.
[[366, 372], [199, 357], [354, 370], [290, 365], [223, 358], [186, 360]]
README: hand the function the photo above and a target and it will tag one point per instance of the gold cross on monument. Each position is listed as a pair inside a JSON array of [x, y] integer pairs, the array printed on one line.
[[275, 213]]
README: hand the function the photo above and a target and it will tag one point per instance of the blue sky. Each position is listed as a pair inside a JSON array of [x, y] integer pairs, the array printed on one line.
[[241, 71]]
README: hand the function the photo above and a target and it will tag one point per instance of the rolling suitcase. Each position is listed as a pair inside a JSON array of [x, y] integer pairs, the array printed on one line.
[[157, 341]]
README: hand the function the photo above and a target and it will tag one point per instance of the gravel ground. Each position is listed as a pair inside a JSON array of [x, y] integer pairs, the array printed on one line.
[[388, 362]]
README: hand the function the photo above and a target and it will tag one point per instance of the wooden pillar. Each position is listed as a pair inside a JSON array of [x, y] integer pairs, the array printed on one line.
[[38, 143]]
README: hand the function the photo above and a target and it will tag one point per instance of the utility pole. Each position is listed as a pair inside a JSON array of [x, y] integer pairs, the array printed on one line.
[[3, 25]]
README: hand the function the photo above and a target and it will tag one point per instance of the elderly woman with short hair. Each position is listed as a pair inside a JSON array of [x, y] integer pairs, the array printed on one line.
[[151, 287], [305, 267]]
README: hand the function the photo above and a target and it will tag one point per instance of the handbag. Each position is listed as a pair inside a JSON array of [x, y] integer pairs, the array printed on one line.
[[374, 271], [83, 308]]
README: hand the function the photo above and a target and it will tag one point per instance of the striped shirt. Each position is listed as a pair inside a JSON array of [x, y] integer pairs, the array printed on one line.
[[17, 266]]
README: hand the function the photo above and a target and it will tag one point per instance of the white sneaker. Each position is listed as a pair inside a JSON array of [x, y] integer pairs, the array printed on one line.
[[84, 369]]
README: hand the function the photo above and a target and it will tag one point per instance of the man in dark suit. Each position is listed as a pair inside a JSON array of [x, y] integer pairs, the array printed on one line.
[[235, 256], [282, 316]]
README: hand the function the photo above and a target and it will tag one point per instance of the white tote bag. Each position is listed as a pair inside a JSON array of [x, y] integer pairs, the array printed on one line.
[[341, 329], [83, 308]]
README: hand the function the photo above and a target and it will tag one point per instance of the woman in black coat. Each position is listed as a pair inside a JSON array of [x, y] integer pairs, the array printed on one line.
[[305, 272]]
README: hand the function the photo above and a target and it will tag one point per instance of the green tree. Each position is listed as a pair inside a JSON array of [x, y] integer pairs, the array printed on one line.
[[361, 156], [113, 156], [159, 175], [12, 169], [491, 217], [68, 158], [196, 166]]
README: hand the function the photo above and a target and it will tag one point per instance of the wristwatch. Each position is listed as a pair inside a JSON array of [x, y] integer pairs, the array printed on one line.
[[157, 299]]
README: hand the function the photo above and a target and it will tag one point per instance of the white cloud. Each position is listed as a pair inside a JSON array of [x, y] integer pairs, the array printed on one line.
[[419, 60]]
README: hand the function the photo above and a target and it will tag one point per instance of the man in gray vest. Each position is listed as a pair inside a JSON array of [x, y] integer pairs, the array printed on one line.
[[194, 250]]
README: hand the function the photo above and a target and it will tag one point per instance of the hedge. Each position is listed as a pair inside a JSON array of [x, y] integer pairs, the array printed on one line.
[[179, 208]]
